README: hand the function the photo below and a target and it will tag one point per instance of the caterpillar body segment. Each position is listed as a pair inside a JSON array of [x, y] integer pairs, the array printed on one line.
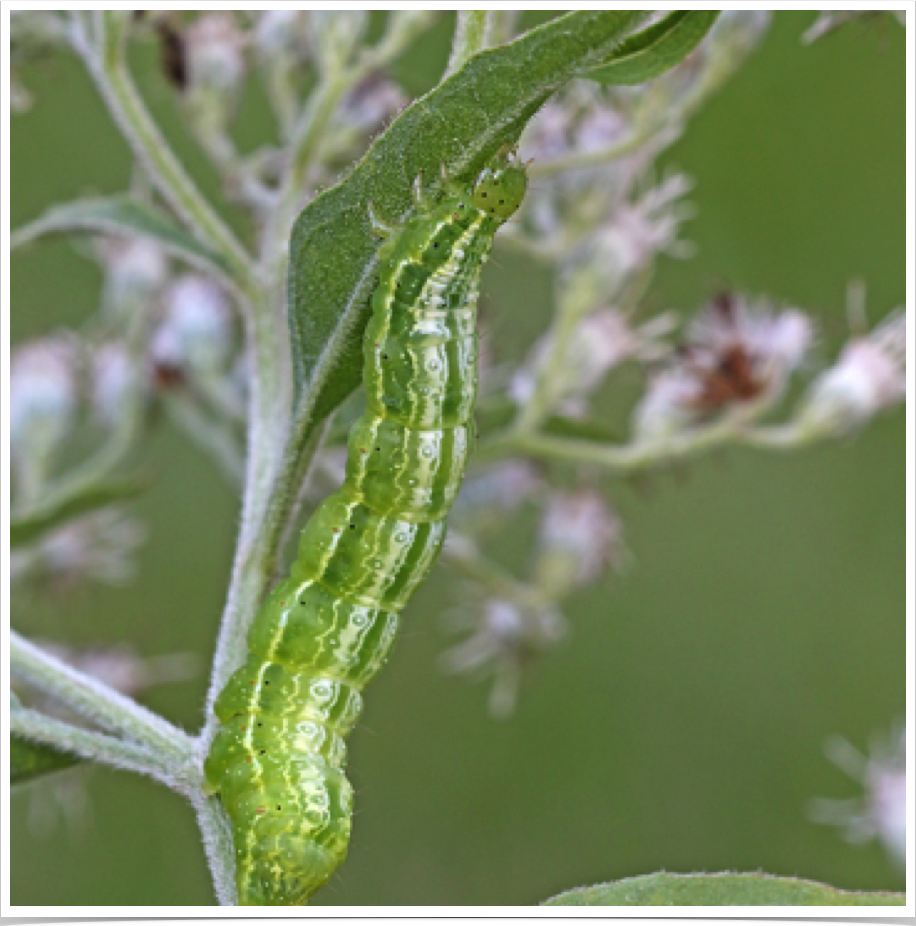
[[324, 632]]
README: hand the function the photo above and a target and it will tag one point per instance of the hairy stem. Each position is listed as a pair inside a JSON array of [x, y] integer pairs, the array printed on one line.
[[472, 34], [641, 455], [97, 747], [218, 845], [96, 701], [103, 56]]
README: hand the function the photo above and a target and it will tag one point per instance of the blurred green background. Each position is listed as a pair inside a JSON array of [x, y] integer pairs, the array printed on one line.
[[681, 725]]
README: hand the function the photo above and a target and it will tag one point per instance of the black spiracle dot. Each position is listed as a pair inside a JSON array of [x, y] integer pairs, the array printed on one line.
[[352, 527]]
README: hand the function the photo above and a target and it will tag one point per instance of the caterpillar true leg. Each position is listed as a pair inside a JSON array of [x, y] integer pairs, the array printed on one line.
[[326, 630]]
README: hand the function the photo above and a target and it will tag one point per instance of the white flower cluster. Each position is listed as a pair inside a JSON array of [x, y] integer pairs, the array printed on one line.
[[737, 360]]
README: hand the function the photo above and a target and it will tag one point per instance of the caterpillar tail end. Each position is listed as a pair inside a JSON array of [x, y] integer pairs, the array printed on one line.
[[285, 875]]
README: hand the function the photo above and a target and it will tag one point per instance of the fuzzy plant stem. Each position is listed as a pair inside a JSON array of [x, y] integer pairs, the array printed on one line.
[[96, 701], [641, 455], [216, 833], [100, 43], [472, 34], [97, 747]]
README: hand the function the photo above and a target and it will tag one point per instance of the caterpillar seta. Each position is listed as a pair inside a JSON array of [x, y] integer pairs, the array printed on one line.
[[325, 631]]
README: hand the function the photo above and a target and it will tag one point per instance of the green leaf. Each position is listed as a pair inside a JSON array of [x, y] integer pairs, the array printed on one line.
[[29, 760], [29, 526], [657, 49], [462, 123], [719, 890], [120, 215]]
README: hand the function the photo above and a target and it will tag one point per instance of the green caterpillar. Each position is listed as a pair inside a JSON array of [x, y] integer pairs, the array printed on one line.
[[323, 633]]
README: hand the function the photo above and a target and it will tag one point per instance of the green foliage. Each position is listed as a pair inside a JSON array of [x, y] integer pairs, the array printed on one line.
[[120, 215], [719, 890], [657, 49], [461, 124], [87, 498], [29, 760]]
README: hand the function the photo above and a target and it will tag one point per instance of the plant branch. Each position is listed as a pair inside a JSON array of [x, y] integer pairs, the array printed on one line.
[[96, 701], [472, 34], [97, 747], [641, 455], [216, 832], [103, 56]]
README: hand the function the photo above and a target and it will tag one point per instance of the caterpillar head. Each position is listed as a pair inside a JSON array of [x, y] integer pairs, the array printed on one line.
[[500, 188]]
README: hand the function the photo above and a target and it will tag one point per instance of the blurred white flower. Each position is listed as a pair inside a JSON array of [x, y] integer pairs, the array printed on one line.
[[581, 118], [601, 341], [44, 399], [881, 811], [135, 269], [215, 56], [738, 358], [215, 52], [98, 546], [580, 537], [503, 637], [197, 332], [281, 32], [637, 232], [116, 383], [869, 377]]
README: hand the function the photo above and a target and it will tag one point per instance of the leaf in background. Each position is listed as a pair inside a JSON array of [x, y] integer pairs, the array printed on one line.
[[29, 760], [462, 123], [657, 49], [26, 527], [120, 215], [719, 890]]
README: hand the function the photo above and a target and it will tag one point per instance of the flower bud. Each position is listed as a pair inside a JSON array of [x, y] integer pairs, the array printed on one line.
[[281, 32], [869, 377], [135, 269], [43, 402], [197, 332], [216, 70]]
